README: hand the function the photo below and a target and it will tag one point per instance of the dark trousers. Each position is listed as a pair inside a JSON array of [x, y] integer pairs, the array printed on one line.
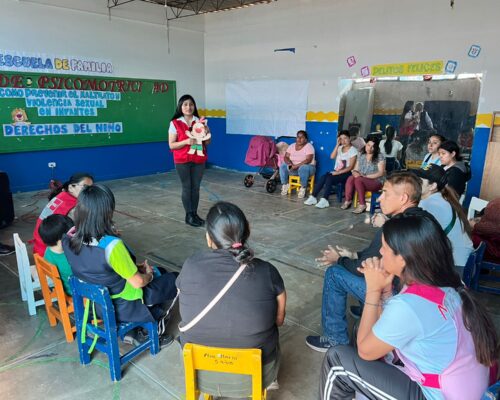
[[328, 181], [344, 373], [190, 175]]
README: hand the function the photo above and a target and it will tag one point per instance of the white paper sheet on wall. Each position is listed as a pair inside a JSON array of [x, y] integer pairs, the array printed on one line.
[[269, 108]]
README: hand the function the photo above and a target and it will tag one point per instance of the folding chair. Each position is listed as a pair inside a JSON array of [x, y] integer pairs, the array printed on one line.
[[47, 273], [233, 361]]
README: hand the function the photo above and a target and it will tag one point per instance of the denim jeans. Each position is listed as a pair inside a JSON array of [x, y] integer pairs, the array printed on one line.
[[337, 284], [304, 172]]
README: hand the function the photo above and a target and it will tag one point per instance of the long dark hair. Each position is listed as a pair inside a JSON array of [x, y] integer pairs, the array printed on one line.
[[74, 179], [451, 197], [376, 148], [93, 215], [428, 257], [390, 132], [451, 146], [228, 228], [178, 111]]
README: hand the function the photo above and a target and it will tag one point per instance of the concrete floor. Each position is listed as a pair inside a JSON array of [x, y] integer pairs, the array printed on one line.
[[35, 360]]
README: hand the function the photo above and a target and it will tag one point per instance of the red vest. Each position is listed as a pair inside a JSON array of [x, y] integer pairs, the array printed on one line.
[[181, 155], [62, 204]]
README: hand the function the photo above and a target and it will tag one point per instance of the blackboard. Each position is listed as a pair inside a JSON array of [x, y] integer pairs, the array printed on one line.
[[52, 111]]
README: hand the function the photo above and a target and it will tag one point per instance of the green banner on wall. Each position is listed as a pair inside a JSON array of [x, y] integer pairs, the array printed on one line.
[[46, 112]]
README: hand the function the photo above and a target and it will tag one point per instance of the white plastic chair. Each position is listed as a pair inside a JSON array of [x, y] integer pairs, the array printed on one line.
[[28, 277], [476, 204]]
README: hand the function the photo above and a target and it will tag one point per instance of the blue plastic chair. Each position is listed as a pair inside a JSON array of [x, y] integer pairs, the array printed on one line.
[[374, 204], [108, 331], [473, 267], [492, 267]]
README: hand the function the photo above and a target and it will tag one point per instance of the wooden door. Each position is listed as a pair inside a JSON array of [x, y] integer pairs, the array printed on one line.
[[490, 187]]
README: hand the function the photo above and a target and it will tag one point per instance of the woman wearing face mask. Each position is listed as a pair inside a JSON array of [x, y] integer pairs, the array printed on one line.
[[62, 201]]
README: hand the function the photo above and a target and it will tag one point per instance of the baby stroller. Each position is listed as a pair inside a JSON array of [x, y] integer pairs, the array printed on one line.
[[265, 153]]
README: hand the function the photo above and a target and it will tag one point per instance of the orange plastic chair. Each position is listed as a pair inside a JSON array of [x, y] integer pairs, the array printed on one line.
[[64, 307], [294, 183], [233, 361]]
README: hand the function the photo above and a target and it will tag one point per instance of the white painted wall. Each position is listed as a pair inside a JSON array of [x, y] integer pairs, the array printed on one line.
[[134, 39], [240, 44]]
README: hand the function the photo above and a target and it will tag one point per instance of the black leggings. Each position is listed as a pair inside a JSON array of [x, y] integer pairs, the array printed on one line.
[[328, 181], [190, 175], [344, 373]]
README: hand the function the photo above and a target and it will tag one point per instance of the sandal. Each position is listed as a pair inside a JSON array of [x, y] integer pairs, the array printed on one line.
[[359, 209], [346, 205]]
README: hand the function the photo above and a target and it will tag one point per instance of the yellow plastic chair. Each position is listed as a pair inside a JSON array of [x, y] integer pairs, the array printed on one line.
[[233, 361], [49, 273], [368, 198], [294, 183]]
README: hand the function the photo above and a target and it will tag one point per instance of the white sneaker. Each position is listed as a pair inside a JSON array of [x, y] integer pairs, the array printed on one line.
[[274, 385], [302, 193], [311, 201], [284, 189], [323, 203]]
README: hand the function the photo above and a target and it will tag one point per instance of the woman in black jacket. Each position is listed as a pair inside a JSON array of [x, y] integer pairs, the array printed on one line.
[[457, 172]]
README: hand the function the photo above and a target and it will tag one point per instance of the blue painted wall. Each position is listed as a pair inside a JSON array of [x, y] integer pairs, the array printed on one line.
[[29, 171]]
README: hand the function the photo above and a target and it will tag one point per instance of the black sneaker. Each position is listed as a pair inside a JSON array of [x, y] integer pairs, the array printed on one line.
[[318, 343], [135, 337], [166, 340]]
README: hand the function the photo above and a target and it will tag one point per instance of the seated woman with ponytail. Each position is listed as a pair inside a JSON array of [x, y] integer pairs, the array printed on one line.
[[441, 338], [248, 313], [98, 256], [441, 201]]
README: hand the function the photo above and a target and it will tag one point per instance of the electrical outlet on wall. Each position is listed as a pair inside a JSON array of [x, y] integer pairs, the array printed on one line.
[[52, 164]]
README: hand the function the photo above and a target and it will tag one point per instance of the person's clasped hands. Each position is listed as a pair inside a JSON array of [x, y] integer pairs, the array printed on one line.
[[331, 255], [376, 277]]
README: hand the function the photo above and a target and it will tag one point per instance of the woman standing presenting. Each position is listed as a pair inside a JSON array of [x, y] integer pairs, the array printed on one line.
[[190, 167]]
